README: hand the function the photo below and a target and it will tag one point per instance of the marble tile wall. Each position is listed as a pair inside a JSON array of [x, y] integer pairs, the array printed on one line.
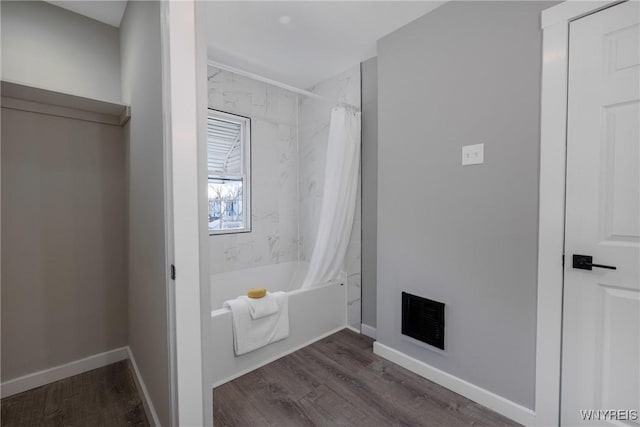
[[314, 116], [274, 143]]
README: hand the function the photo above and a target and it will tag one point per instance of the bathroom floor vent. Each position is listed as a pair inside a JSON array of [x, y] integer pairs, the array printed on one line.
[[423, 319]]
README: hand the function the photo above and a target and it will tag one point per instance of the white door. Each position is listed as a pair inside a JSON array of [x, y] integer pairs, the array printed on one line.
[[601, 321]]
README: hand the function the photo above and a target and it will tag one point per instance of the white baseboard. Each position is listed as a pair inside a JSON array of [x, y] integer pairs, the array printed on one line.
[[484, 397], [37, 379], [149, 410], [367, 330]]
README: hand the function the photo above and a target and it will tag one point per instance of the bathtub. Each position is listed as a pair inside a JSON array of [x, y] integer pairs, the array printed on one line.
[[313, 314]]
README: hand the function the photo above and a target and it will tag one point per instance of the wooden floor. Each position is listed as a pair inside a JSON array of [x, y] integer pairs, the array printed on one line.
[[338, 381], [103, 397]]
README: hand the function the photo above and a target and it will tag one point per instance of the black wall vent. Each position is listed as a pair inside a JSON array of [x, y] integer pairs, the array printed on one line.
[[423, 319]]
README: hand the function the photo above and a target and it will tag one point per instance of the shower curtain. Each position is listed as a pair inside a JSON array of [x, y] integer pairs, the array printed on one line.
[[339, 198]]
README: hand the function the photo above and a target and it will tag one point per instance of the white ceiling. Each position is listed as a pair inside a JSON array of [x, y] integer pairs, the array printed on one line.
[[299, 43], [107, 11], [322, 39]]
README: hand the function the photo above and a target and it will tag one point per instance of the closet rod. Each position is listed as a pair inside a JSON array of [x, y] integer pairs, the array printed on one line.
[[26, 97]]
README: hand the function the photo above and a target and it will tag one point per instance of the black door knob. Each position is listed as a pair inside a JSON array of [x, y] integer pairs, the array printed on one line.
[[585, 262]]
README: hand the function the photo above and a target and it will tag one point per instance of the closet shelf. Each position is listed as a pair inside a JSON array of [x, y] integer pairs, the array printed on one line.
[[17, 96]]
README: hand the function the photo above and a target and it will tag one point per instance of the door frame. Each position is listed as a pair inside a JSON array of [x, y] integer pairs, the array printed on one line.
[[168, 212], [553, 139], [186, 227]]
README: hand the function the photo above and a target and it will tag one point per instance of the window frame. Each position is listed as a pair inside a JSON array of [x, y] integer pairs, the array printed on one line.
[[245, 165]]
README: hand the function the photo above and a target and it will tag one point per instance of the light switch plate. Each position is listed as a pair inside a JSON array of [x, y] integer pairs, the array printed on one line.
[[473, 154]]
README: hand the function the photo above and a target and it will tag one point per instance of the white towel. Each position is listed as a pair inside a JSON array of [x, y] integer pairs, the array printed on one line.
[[250, 334], [261, 307]]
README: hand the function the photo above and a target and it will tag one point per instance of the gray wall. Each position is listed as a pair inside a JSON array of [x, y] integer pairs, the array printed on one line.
[[47, 46], [140, 45], [64, 283], [369, 70], [466, 73]]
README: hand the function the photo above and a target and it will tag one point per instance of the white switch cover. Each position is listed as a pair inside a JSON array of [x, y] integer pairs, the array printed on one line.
[[473, 154]]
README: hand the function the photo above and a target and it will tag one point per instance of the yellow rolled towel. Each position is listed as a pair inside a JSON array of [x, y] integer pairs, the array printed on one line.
[[256, 292]]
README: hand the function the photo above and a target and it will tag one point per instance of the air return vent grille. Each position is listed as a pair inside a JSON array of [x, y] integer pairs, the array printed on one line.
[[423, 319]]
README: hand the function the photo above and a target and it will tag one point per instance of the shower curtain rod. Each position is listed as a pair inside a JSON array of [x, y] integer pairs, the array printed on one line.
[[277, 83]]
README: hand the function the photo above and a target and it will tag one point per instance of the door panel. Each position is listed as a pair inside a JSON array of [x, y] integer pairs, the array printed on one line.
[[620, 326], [620, 173], [601, 345]]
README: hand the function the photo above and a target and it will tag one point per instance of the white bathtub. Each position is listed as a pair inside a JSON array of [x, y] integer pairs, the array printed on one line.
[[313, 314]]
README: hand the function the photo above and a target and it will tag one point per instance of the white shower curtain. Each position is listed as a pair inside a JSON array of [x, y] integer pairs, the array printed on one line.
[[339, 198]]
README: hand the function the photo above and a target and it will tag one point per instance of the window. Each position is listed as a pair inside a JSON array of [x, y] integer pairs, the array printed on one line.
[[229, 164]]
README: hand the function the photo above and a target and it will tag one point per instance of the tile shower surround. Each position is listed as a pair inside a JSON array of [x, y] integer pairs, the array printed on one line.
[[289, 141]]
